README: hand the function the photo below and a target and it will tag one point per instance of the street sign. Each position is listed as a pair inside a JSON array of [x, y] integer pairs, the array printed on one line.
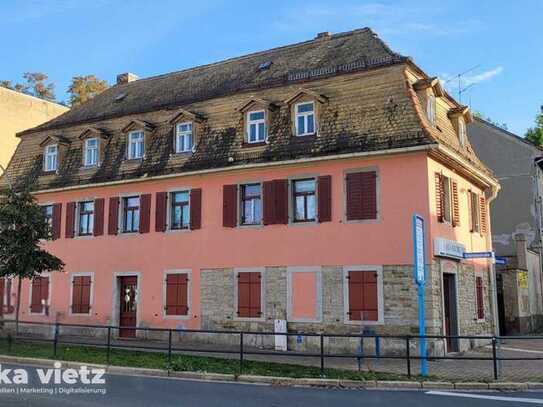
[[418, 241], [502, 261], [478, 255]]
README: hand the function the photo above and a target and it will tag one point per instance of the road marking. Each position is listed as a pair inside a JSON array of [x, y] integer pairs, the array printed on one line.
[[518, 349], [480, 396]]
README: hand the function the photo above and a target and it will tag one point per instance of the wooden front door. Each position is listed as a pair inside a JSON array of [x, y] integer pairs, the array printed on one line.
[[128, 306], [449, 300]]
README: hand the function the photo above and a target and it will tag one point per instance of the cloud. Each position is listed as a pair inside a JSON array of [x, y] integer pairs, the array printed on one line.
[[484, 76]]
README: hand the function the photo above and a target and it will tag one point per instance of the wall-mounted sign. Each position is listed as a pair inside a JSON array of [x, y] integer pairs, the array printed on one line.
[[418, 242], [448, 248], [502, 261], [478, 255]]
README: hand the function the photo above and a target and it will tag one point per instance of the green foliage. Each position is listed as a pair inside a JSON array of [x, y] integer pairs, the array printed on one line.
[[23, 227], [535, 134], [84, 88], [35, 85]]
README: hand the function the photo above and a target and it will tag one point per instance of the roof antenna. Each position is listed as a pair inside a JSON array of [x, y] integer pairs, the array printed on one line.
[[459, 77]]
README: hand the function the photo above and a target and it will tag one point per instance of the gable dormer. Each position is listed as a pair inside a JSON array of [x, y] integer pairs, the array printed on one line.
[[93, 142], [54, 151], [256, 117], [187, 128], [305, 106], [138, 135], [428, 90], [460, 116]]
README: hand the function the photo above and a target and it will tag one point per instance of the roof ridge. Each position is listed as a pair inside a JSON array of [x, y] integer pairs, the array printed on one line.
[[508, 132]]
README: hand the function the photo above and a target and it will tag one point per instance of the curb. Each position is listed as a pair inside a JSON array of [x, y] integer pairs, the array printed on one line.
[[284, 381]]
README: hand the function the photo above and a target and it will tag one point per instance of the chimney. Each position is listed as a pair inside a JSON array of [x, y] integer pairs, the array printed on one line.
[[126, 78], [323, 35]]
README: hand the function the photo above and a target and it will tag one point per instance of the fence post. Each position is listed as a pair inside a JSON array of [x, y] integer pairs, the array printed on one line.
[[494, 358], [10, 342], [322, 355], [108, 344], [408, 355], [55, 341], [169, 349], [241, 353]]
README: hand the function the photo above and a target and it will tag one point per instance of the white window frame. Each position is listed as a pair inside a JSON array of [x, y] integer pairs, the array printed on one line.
[[131, 136], [188, 272], [91, 300], [259, 138], [431, 109], [86, 162], [290, 293], [462, 131], [77, 220], [54, 156], [380, 294], [47, 304], [239, 201], [305, 116], [169, 201], [262, 271], [184, 134]]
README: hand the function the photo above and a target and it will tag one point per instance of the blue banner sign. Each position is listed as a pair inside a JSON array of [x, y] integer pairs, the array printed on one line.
[[478, 255], [501, 261], [418, 241]]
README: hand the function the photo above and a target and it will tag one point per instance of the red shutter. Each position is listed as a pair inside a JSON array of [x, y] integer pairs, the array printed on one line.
[[325, 198], [482, 203], [269, 200], [249, 295], [354, 196], [70, 220], [362, 195], [456, 204], [76, 295], [195, 208], [113, 218], [363, 301], [40, 291], [57, 216], [229, 206], [161, 201], [480, 298], [176, 294], [280, 187], [81, 290], [99, 217], [145, 213], [440, 207]]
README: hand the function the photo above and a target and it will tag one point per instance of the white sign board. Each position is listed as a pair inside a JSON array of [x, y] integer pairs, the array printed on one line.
[[448, 248], [280, 326], [419, 249]]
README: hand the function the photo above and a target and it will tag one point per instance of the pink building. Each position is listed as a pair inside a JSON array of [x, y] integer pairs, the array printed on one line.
[[277, 185]]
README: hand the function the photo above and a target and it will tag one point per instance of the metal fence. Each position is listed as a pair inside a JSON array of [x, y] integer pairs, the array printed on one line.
[[493, 358]]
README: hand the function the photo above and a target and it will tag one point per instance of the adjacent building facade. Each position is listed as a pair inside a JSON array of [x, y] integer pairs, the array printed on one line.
[[516, 223], [19, 112], [278, 185]]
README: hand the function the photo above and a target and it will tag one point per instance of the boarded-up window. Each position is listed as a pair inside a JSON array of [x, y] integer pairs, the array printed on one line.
[[363, 303], [304, 304], [195, 208], [40, 294], [480, 299], [249, 295], [81, 294], [361, 188], [177, 294]]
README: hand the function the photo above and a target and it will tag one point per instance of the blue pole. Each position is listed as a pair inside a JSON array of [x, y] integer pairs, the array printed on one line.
[[422, 333], [420, 273]]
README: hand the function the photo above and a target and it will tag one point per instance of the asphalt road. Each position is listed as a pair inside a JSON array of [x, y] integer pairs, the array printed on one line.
[[136, 391]]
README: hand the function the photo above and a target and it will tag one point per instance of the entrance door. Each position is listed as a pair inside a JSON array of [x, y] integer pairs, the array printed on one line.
[[451, 320], [501, 305], [127, 317]]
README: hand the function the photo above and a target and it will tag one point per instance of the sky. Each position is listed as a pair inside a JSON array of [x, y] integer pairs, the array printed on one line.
[[501, 40]]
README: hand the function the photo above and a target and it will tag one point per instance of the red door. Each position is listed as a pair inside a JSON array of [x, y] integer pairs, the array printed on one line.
[[128, 306]]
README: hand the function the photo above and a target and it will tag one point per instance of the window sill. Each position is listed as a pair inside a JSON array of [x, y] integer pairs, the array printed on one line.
[[361, 221], [250, 226], [249, 319], [247, 144], [89, 167], [177, 317], [133, 160], [83, 237], [363, 323], [178, 230], [308, 223], [306, 135], [181, 153]]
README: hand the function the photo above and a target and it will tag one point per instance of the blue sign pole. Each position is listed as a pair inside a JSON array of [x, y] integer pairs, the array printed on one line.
[[419, 262]]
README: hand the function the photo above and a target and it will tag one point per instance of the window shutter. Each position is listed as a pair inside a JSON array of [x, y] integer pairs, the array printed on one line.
[[70, 220], [145, 213], [113, 218], [480, 298], [363, 302], [161, 200], [361, 195], [10, 307], [456, 204], [249, 298], [280, 187], [2, 290], [354, 196], [57, 216], [229, 206], [99, 217], [268, 200], [176, 294], [35, 303], [76, 295], [440, 207], [195, 209], [369, 195], [482, 203], [325, 198]]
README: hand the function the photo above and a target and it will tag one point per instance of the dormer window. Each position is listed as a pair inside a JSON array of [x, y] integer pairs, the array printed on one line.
[[136, 145], [431, 109], [305, 119], [183, 137], [51, 158], [462, 131], [256, 126], [91, 152]]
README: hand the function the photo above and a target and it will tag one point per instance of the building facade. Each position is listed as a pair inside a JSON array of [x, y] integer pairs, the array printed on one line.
[[19, 112], [279, 185], [516, 223]]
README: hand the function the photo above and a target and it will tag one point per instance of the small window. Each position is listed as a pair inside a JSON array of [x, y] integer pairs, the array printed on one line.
[[431, 109], [136, 148], [39, 301], [363, 295], [479, 298], [462, 131], [131, 214], [81, 294], [474, 212], [86, 218], [177, 294], [251, 204], [304, 202], [48, 213], [183, 138], [91, 152], [447, 206], [249, 295], [179, 210], [305, 119], [256, 127], [51, 158]]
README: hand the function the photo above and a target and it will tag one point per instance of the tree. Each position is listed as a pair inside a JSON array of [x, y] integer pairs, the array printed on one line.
[[40, 89], [535, 134], [84, 88], [23, 228]]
